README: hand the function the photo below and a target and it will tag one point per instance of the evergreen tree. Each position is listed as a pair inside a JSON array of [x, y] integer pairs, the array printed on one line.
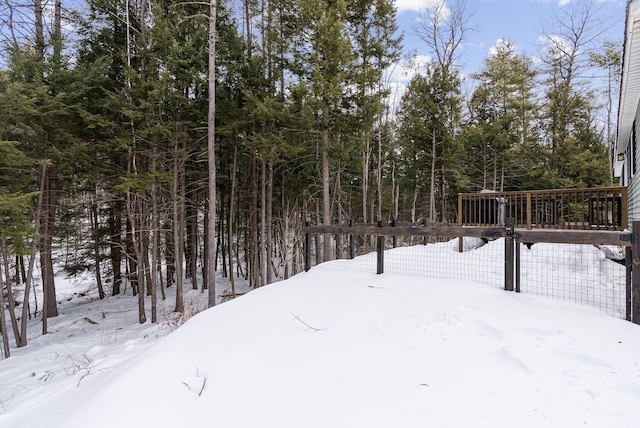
[[502, 112], [428, 144]]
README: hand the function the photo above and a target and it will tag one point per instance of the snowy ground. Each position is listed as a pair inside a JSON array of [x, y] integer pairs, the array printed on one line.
[[329, 348]]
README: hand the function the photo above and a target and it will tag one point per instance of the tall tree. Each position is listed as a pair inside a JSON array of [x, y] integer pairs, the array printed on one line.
[[568, 106], [211, 155], [502, 111], [427, 142], [328, 62], [609, 59]]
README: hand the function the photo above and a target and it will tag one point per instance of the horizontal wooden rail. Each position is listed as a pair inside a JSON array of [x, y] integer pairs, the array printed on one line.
[[452, 231], [590, 237]]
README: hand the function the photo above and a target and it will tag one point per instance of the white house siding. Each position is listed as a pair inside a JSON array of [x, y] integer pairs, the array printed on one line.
[[633, 182], [628, 167]]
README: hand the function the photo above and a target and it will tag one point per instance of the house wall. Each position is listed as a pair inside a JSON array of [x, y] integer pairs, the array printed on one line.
[[631, 171], [628, 169]]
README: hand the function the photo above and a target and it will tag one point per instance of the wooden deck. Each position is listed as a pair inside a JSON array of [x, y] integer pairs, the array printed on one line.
[[602, 208]]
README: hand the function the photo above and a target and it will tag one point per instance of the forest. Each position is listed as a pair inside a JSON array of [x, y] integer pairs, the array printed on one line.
[[154, 143]]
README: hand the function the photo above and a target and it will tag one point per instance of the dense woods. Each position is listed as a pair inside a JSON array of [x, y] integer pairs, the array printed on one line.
[[104, 133]]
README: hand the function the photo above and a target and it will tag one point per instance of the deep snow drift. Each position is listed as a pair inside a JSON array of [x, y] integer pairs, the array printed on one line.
[[332, 348]]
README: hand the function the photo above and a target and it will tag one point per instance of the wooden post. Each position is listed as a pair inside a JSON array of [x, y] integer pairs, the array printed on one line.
[[508, 255], [424, 238], [628, 261], [380, 251], [394, 223], [352, 248], [528, 210], [635, 274], [307, 249]]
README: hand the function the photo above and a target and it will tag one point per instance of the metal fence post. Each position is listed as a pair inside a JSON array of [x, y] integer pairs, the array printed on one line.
[[635, 273], [380, 251], [508, 254], [307, 248]]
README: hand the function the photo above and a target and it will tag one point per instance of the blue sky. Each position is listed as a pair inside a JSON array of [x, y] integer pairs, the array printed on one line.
[[521, 21]]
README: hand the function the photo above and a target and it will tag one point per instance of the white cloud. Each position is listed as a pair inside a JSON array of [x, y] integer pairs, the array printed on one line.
[[556, 45], [501, 43], [404, 5], [400, 74], [568, 2], [405, 70], [421, 5]]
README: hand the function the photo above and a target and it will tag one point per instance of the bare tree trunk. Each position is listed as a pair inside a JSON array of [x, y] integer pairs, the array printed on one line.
[[443, 194], [379, 172], [395, 191], [23, 271], [155, 238], [495, 170], [366, 155], [177, 225], [269, 210], [339, 254], [96, 247], [264, 263], [205, 260], [115, 244], [132, 214], [192, 236], [253, 245], [326, 197], [39, 27], [232, 196], [3, 322], [211, 153], [11, 302], [169, 256], [47, 222], [317, 241], [432, 189], [22, 338], [416, 192]]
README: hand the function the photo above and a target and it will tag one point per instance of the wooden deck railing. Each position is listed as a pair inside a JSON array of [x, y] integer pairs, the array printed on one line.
[[602, 208]]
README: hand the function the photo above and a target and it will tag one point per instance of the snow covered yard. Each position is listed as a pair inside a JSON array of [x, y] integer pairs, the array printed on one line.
[[330, 348]]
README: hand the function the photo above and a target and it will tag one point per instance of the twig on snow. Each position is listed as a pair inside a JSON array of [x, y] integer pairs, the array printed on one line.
[[307, 325]]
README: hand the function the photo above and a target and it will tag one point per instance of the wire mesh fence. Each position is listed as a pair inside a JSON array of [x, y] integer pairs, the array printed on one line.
[[583, 273]]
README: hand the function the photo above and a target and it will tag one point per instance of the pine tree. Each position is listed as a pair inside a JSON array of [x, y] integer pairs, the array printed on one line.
[[502, 113]]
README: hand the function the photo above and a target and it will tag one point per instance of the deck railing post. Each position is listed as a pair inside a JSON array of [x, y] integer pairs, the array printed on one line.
[[635, 273], [529, 214], [380, 251], [508, 255]]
